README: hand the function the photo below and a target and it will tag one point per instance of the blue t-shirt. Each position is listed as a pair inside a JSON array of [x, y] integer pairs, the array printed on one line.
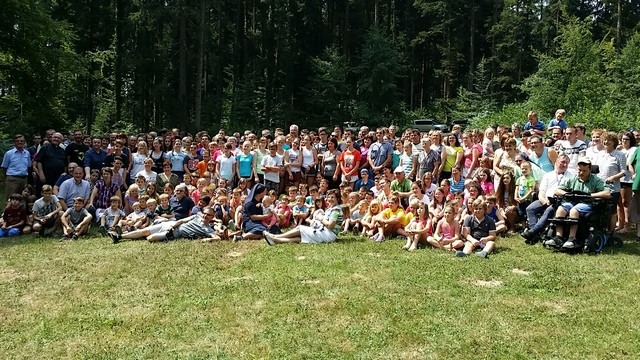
[[360, 183], [560, 123], [244, 164], [538, 126], [177, 160]]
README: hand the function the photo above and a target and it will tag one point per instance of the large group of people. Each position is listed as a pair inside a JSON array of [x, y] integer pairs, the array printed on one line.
[[455, 191]]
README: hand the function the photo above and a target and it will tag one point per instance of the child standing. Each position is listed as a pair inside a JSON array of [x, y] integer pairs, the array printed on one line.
[[271, 165], [525, 185]]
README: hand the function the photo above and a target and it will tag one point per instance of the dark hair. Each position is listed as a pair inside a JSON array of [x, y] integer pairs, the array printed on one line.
[[632, 138], [334, 141], [16, 196]]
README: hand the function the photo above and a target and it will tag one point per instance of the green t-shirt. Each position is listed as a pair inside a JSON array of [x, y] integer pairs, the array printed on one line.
[[592, 185], [523, 184], [404, 186]]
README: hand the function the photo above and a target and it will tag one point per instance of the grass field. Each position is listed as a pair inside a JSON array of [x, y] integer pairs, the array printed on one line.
[[350, 299]]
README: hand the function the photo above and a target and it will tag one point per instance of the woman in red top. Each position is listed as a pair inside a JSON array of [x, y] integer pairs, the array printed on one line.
[[349, 163]]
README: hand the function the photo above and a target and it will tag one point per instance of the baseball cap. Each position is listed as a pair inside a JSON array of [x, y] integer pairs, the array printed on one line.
[[399, 169]]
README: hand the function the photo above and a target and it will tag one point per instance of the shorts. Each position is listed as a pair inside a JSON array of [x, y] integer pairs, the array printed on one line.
[[625, 185], [581, 207], [271, 185], [297, 176], [311, 172]]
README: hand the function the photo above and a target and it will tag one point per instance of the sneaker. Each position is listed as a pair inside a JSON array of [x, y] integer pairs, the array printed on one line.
[[237, 238], [118, 229], [65, 237], [74, 236], [482, 254], [526, 235], [41, 232], [102, 230], [169, 236], [570, 244], [114, 236], [267, 238], [380, 238], [460, 253]]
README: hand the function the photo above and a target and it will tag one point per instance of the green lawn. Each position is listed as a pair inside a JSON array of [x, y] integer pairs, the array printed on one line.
[[350, 299]]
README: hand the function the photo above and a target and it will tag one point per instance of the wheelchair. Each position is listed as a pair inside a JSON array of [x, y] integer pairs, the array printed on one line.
[[593, 228]]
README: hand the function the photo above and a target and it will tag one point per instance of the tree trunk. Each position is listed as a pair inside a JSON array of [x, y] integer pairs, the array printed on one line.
[[619, 26], [182, 70], [472, 35], [199, 66], [118, 63]]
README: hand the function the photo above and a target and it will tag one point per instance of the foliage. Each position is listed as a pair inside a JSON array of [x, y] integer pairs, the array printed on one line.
[[350, 299]]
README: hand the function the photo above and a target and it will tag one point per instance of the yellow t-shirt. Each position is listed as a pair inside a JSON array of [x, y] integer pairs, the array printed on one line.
[[399, 213]]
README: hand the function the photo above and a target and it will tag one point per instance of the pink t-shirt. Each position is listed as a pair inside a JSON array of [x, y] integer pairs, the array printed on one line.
[[487, 187]]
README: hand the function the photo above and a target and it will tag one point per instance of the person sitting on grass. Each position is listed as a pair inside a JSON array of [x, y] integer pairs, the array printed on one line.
[[14, 217], [368, 222], [46, 211], [478, 231], [497, 216], [354, 220], [110, 216], [447, 234], [391, 220], [320, 230], [283, 212], [164, 211], [419, 229], [252, 215], [192, 227], [134, 220], [269, 210], [300, 211], [76, 220]]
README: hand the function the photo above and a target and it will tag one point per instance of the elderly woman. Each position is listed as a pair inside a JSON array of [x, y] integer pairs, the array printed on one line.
[[253, 216], [321, 230], [428, 159]]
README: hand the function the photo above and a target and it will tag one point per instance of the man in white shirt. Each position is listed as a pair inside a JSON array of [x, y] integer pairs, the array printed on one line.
[[539, 211], [571, 147]]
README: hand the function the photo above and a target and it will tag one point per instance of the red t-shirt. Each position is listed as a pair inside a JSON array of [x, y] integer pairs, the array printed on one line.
[[348, 159], [13, 216]]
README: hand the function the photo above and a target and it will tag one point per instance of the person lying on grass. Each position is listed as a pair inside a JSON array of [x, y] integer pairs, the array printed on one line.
[[76, 220], [391, 221], [320, 231], [192, 227], [447, 235], [478, 231]]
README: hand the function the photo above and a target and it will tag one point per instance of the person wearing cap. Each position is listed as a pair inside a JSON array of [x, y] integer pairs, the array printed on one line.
[[364, 181], [401, 184], [585, 182]]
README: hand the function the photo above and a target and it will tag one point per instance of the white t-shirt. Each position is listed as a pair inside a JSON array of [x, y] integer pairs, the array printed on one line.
[[226, 165], [269, 160]]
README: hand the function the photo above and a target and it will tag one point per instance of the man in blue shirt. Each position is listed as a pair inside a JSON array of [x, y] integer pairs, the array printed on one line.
[[94, 158], [16, 163], [534, 125], [380, 153], [72, 188]]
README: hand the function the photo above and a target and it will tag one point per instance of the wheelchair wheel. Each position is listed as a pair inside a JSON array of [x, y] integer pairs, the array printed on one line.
[[615, 241], [594, 243]]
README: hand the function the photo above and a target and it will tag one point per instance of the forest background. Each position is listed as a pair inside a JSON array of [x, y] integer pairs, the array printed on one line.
[[137, 65]]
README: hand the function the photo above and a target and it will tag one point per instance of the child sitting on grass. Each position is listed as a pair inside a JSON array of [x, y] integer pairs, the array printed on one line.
[[368, 222], [478, 231], [283, 212], [164, 211], [447, 235], [110, 216], [353, 222], [300, 211], [130, 198], [497, 216], [76, 220], [46, 211], [133, 220], [390, 222], [14, 217], [419, 229]]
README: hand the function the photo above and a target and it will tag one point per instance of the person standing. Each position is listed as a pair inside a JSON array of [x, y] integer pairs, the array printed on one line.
[[75, 151], [51, 160], [16, 163], [94, 158], [380, 153]]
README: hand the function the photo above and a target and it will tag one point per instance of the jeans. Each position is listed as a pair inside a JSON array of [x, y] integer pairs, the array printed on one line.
[[536, 224]]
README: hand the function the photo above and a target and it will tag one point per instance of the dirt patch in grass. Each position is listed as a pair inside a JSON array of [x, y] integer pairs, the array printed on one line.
[[486, 283], [7, 275], [520, 272]]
